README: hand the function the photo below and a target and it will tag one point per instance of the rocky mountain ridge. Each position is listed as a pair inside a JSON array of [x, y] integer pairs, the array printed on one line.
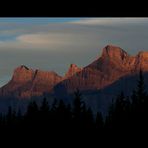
[[113, 64]]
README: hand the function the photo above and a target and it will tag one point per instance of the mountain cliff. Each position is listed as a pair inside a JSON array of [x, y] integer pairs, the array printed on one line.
[[72, 70], [26, 83], [113, 64]]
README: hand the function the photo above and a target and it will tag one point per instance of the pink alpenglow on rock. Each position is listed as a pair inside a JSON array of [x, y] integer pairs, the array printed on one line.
[[113, 64]]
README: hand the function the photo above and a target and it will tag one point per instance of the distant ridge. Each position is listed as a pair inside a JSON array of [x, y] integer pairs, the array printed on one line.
[[113, 64]]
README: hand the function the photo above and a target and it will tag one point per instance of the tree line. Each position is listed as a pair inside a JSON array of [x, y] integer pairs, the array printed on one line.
[[126, 114]]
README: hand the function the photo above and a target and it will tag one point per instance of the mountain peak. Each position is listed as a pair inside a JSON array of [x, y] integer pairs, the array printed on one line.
[[72, 70], [112, 51], [23, 67], [22, 74], [110, 67], [73, 66], [143, 54]]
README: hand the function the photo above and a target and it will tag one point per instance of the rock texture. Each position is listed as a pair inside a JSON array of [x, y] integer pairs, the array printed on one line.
[[113, 64], [26, 83], [73, 69]]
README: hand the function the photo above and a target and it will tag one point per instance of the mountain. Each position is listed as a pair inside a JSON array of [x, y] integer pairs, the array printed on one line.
[[27, 83], [100, 81], [72, 70], [113, 64]]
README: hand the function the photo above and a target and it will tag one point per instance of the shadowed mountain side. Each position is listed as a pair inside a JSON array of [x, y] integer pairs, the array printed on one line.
[[100, 100], [21, 104]]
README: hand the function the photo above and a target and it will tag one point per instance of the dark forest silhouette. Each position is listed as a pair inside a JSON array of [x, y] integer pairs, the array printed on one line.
[[126, 115]]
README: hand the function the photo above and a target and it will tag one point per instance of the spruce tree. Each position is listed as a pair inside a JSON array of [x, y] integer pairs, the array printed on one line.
[[77, 106], [44, 106], [140, 87]]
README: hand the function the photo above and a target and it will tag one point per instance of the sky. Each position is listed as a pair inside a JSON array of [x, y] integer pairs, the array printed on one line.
[[52, 44]]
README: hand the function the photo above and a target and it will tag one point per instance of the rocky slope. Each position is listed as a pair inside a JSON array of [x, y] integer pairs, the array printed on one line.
[[113, 64], [72, 70], [26, 83]]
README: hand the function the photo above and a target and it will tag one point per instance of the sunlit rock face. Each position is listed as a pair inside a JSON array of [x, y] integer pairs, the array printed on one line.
[[44, 81], [72, 70], [113, 64], [22, 74], [26, 83], [22, 77], [114, 52], [141, 61]]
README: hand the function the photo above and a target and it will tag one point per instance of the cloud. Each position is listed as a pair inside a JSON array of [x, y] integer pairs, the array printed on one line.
[[109, 21], [83, 34], [50, 40], [35, 39], [47, 39]]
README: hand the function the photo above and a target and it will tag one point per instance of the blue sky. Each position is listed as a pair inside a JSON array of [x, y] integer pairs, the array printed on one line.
[[39, 20], [55, 43], [29, 21]]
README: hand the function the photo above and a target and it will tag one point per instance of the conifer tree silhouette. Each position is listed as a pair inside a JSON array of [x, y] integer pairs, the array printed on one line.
[[45, 106], [77, 109], [140, 92], [44, 119]]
